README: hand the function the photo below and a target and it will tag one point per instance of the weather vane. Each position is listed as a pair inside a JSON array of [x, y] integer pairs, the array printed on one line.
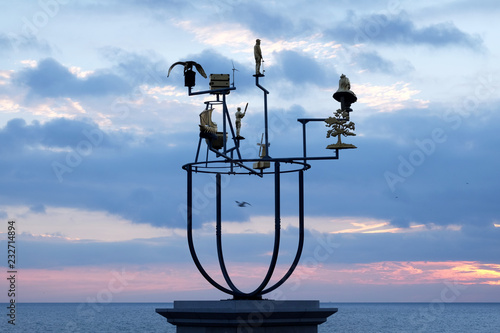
[[223, 157]]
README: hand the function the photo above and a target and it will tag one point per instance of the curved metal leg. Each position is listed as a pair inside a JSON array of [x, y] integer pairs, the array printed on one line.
[[190, 234], [277, 225], [218, 232], [277, 230], [301, 237]]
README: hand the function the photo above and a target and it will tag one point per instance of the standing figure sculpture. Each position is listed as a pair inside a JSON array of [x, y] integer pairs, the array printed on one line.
[[258, 57], [239, 115]]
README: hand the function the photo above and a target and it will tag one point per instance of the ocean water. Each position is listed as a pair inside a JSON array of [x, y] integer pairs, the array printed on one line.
[[351, 317]]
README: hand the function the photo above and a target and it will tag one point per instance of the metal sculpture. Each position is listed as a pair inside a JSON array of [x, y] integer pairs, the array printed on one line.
[[226, 159], [239, 115], [189, 74]]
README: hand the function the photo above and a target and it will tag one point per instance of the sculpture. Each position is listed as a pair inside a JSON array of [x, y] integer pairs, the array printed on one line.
[[344, 83], [261, 165], [340, 126], [224, 158], [239, 115], [257, 52], [344, 95], [189, 74], [207, 127]]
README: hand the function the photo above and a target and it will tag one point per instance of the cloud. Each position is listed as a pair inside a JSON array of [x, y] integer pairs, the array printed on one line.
[[39, 209], [12, 42], [62, 162], [374, 62], [266, 22], [138, 68], [391, 98], [51, 79], [299, 68], [392, 30], [17, 135], [139, 177]]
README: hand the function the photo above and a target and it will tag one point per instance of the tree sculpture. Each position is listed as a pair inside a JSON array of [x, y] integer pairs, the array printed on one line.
[[340, 125]]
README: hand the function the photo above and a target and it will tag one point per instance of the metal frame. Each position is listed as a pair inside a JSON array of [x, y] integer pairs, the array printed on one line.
[[226, 163]]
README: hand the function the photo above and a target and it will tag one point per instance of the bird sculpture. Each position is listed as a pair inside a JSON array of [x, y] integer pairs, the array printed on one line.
[[189, 74], [242, 204]]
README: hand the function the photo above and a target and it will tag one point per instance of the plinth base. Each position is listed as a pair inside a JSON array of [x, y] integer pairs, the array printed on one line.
[[241, 316]]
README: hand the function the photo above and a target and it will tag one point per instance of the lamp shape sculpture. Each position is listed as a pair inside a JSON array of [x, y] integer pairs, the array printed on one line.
[[223, 157]]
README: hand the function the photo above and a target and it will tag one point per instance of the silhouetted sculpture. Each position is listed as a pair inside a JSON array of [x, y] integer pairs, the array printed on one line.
[[239, 115], [344, 95], [189, 74], [257, 52]]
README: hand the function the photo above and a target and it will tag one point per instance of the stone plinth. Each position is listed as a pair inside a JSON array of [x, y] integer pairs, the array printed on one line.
[[245, 316]]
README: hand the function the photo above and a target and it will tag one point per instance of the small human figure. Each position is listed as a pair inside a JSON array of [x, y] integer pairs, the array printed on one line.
[[258, 57], [239, 115]]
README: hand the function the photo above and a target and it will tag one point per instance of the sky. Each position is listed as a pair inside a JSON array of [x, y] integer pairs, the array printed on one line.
[[93, 136]]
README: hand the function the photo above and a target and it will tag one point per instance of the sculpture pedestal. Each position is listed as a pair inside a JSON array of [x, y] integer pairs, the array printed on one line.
[[242, 316]]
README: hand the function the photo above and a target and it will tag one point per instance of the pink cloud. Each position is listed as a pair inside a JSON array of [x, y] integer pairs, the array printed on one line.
[[166, 283]]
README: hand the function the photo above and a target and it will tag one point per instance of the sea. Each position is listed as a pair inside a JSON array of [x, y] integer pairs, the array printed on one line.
[[351, 317]]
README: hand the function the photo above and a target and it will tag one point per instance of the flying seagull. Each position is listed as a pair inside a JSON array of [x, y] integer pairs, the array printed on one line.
[[188, 67], [242, 204]]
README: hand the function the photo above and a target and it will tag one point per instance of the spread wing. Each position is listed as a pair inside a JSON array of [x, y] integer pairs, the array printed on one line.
[[200, 70], [177, 63]]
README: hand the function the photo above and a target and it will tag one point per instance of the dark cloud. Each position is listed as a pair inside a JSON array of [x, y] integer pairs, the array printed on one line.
[[434, 181], [405, 176], [265, 22], [147, 68], [413, 246], [51, 79], [58, 252], [374, 62], [40, 209], [17, 135], [391, 30], [299, 68], [130, 180]]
